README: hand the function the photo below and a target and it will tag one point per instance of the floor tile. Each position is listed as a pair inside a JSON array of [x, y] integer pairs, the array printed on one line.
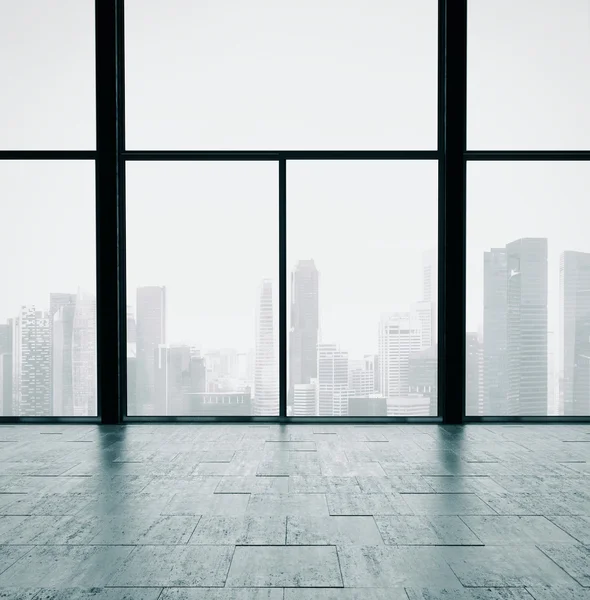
[[10, 554], [425, 531], [499, 530], [574, 560], [345, 594], [559, 593], [577, 526], [65, 566], [501, 566], [394, 566], [469, 594], [407, 484], [243, 531], [222, 594], [367, 504], [447, 504], [253, 485], [163, 566], [214, 504], [143, 593], [337, 531], [286, 566], [314, 484], [287, 504]]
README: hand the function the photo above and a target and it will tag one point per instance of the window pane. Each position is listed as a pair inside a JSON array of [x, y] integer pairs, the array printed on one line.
[[47, 69], [528, 289], [202, 288], [48, 303], [267, 75], [363, 288], [528, 83]]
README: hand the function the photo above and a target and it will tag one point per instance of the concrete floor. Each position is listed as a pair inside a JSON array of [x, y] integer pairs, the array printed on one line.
[[257, 512]]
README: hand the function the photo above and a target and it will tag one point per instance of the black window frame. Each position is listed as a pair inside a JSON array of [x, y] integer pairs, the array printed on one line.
[[452, 156]]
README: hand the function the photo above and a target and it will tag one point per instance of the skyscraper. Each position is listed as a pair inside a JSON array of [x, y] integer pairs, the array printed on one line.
[[31, 363], [151, 332], [333, 390], [304, 326], [62, 372], [425, 312], [430, 290], [574, 340], [473, 372], [361, 378], [6, 368], [266, 384], [423, 377], [57, 300], [178, 373], [400, 334], [84, 355], [304, 401], [527, 326], [495, 331]]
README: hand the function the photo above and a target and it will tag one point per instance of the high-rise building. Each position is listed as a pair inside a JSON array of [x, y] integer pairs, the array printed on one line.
[[574, 340], [372, 364], [430, 290], [361, 380], [423, 377], [495, 331], [425, 313], [151, 333], [62, 372], [178, 373], [219, 404], [527, 326], [31, 363], [304, 401], [131, 326], [515, 329], [266, 376], [333, 390], [6, 368], [6, 384], [400, 334], [304, 326], [84, 355], [473, 374], [59, 299], [367, 406]]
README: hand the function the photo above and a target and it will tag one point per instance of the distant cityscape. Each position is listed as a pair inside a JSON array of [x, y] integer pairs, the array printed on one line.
[[48, 357]]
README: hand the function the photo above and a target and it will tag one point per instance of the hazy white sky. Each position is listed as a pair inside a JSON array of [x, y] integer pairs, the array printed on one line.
[[278, 75]]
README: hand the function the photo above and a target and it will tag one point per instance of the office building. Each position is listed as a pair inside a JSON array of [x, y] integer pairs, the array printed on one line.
[[304, 325], [574, 340], [62, 355], [31, 363], [151, 333], [266, 376], [400, 334], [305, 399], [333, 390]]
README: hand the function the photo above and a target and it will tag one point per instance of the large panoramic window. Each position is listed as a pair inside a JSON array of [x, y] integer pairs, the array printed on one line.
[[48, 302], [202, 289], [528, 289], [528, 83], [268, 75], [48, 75], [363, 293]]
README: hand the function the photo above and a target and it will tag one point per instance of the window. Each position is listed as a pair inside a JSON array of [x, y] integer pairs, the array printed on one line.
[[528, 289], [48, 75], [528, 84], [202, 289], [267, 75], [48, 300], [362, 238]]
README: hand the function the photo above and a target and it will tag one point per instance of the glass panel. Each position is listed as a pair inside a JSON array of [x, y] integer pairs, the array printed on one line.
[[202, 288], [48, 303], [363, 288], [267, 75], [528, 83], [47, 70], [528, 289]]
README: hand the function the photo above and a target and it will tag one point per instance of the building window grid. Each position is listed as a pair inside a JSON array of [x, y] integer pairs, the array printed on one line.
[[452, 148]]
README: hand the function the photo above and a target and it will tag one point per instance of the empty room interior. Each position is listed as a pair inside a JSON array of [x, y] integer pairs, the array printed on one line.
[[295, 300]]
